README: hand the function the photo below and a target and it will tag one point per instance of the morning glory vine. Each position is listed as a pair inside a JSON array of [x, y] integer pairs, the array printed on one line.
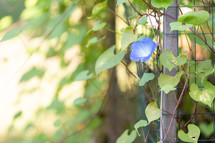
[[142, 50]]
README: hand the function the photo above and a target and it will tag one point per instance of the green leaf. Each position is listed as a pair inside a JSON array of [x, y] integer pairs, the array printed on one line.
[[126, 138], [84, 75], [17, 115], [167, 62], [179, 26], [108, 59], [139, 124], [128, 37], [93, 41], [34, 72], [57, 105], [98, 8], [145, 78], [205, 96], [152, 112], [57, 123], [205, 68], [169, 81], [11, 34], [167, 88], [140, 38], [194, 17], [142, 21], [161, 3], [98, 25], [121, 1], [206, 129], [79, 101], [191, 136], [78, 33], [28, 126]]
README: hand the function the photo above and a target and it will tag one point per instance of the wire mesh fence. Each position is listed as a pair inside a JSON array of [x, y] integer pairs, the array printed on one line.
[[189, 110]]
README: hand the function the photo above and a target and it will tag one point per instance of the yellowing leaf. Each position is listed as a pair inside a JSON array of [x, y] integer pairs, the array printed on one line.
[[205, 96], [152, 112], [179, 26], [191, 136], [167, 62], [167, 81], [141, 123], [126, 138]]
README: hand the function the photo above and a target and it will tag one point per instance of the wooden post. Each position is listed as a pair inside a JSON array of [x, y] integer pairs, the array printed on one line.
[[168, 101]]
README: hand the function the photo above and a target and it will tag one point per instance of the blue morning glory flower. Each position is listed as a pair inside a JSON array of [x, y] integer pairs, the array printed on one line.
[[142, 50]]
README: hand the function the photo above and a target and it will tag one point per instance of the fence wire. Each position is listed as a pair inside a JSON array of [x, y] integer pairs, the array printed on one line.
[[200, 53]]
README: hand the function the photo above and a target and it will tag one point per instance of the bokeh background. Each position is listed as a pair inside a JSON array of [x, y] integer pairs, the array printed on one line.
[[43, 98]]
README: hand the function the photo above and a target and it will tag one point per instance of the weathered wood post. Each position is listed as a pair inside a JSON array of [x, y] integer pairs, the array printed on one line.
[[168, 101]]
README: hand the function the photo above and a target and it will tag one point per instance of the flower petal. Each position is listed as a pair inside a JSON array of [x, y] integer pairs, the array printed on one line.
[[142, 50]]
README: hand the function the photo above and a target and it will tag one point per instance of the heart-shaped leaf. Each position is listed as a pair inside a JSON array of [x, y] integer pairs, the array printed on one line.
[[145, 78], [142, 21], [206, 129], [128, 37], [139, 124], [161, 3], [167, 62], [93, 41], [205, 68], [167, 88], [167, 81], [191, 136], [152, 112], [98, 25], [108, 59], [98, 8], [194, 17], [84, 75], [179, 26], [205, 96], [126, 138]]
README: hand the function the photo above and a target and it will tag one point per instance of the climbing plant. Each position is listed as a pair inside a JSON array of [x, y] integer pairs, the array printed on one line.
[[138, 44]]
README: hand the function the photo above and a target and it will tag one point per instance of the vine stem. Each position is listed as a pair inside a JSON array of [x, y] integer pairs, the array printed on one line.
[[176, 107], [147, 136], [172, 116], [181, 95], [135, 8], [118, 16], [202, 40], [195, 34], [193, 117]]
